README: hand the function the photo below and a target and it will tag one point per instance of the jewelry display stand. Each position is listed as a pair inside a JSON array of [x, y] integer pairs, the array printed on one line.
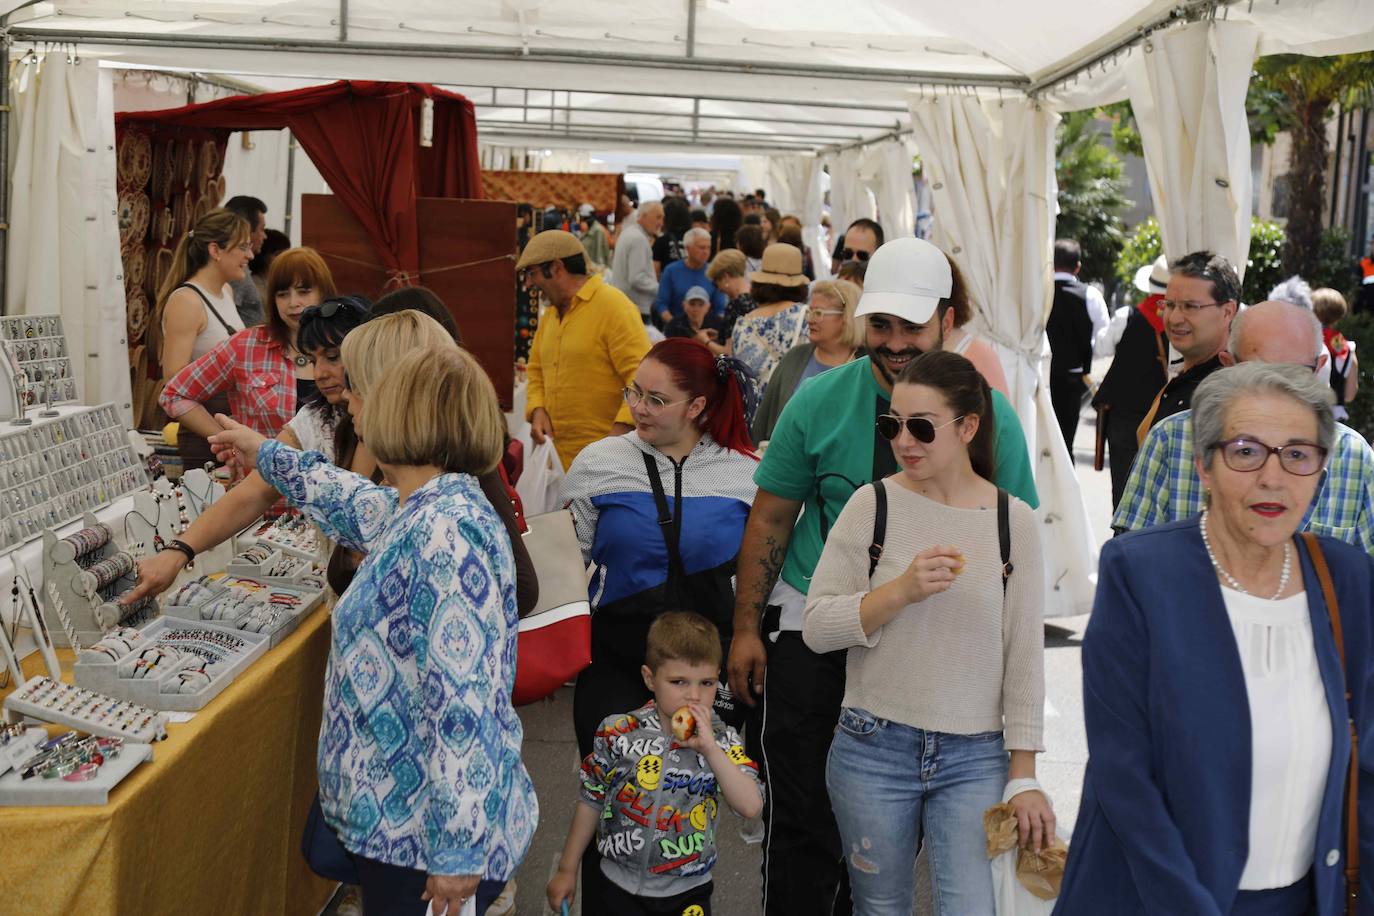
[[295, 535], [61, 467], [11, 401], [15, 790], [83, 574], [226, 653], [41, 353], [95, 714]]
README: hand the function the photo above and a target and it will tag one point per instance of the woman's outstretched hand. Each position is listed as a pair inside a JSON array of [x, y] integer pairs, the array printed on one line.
[[236, 444]]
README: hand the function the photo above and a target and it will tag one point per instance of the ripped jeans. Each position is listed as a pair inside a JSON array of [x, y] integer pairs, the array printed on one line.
[[892, 786]]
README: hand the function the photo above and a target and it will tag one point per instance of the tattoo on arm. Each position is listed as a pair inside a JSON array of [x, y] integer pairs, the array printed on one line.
[[770, 565]]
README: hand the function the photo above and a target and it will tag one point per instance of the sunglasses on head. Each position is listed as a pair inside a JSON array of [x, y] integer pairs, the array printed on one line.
[[921, 429], [331, 307], [849, 254]]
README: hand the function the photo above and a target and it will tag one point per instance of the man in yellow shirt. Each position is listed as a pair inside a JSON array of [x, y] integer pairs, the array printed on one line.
[[585, 351]]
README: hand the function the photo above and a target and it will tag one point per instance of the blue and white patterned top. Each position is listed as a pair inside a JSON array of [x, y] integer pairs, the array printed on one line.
[[761, 342], [419, 757]]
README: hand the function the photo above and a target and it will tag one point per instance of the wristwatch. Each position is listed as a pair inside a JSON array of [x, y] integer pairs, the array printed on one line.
[[182, 547]]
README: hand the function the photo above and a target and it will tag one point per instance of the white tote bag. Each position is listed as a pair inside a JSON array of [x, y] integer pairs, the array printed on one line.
[[541, 483]]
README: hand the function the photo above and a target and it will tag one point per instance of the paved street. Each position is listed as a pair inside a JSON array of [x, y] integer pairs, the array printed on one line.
[[551, 753]]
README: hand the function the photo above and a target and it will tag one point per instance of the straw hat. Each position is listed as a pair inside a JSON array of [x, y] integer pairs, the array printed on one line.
[[781, 266]]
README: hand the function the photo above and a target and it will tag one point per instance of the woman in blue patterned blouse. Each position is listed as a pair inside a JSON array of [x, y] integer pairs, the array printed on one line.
[[419, 759]]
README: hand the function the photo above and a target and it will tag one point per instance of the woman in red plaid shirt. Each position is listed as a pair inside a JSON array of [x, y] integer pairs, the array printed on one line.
[[259, 368]]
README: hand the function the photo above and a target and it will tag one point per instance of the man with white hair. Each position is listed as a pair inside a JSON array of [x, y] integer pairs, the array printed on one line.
[[632, 267], [1164, 484], [680, 276]]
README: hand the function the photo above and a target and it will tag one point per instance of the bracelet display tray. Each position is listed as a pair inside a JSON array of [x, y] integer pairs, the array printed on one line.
[[37, 791], [102, 674], [288, 623], [16, 708]]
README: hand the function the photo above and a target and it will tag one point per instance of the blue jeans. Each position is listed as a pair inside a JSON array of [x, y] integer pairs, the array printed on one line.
[[891, 786]]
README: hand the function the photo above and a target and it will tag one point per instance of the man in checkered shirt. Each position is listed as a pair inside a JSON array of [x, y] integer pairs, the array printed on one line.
[[1164, 485]]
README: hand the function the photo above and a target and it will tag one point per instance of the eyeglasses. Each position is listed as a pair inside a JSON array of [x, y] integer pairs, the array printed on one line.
[[652, 402], [1187, 308], [921, 429], [849, 254], [818, 314], [1302, 459], [330, 308], [246, 248]]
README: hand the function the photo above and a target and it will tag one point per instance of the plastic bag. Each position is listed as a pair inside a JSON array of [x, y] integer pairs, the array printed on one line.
[[1024, 883], [541, 485]]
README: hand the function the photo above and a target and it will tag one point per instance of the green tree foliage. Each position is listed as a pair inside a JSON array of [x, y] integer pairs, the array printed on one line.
[[1263, 270], [1360, 329], [1298, 94], [1092, 194]]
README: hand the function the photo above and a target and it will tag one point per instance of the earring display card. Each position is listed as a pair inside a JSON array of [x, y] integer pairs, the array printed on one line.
[[60, 467], [172, 664], [39, 348]]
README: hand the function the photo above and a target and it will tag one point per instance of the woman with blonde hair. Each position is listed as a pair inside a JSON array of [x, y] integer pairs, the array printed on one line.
[[260, 369], [833, 336], [195, 308], [422, 653], [729, 272]]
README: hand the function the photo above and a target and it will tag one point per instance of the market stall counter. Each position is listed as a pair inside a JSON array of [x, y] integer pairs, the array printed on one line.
[[212, 824]]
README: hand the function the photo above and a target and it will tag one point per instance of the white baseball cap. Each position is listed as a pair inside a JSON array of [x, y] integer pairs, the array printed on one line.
[[907, 278], [1153, 278]]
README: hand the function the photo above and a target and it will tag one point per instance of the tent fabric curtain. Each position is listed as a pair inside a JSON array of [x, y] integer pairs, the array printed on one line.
[[364, 137], [1187, 90], [795, 183], [64, 256], [886, 171], [849, 198], [990, 165]]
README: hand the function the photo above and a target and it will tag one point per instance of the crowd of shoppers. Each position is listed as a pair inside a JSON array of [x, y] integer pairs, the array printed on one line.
[[859, 604]]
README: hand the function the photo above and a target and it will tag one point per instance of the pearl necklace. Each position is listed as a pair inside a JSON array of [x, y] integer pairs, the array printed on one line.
[[1231, 580]]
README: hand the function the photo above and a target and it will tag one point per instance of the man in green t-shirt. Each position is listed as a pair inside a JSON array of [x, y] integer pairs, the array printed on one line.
[[824, 447]]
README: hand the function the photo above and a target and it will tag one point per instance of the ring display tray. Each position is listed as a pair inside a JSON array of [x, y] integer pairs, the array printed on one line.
[[38, 791], [146, 728], [226, 650]]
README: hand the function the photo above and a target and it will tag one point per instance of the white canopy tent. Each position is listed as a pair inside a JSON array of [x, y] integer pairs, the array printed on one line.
[[846, 86]]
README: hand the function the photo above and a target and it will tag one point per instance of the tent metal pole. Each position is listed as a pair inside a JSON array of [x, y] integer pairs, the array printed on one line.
[[289, 210], [692, 52], [642, 112], [859, 144], [517, 138], [812, 140], [538, 55], [343, 20], [742, 100]]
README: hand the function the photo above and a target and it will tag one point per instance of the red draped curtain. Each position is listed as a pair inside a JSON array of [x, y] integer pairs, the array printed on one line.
[[364, 137]]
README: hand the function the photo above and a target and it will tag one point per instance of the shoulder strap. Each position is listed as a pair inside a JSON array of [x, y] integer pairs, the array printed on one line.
[[875, 549], [209, 305], [1004, 534], [666, 523], [1352, 825]]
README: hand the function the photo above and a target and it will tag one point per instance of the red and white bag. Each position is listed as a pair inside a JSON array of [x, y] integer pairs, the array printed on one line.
[[555, 639]]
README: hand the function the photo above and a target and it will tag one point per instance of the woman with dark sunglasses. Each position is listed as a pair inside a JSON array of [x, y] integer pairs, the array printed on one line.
[[945, 663], [1226, 671], [320, 335]]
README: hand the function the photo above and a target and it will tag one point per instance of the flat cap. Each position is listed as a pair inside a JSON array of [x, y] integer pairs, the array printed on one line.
[[550, 245]]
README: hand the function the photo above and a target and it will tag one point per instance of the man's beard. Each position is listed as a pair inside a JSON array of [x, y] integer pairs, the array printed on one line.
[[875, 356]]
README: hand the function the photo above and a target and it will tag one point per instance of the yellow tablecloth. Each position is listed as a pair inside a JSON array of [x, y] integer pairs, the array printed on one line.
[[211, 825]]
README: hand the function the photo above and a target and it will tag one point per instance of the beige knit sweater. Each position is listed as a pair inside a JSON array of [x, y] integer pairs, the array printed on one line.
[[963, 661]]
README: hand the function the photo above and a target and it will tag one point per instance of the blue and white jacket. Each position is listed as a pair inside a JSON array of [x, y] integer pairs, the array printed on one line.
[[612, 503], [419, 756]]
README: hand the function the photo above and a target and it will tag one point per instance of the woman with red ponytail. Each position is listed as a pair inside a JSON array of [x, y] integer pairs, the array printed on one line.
[[660, 513]]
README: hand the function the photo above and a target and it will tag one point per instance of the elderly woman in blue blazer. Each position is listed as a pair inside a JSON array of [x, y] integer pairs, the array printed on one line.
[[1217, 711]]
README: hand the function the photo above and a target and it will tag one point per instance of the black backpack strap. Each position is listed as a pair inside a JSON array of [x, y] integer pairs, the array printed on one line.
[[667, 524], [209, 305], [875, 550], [1004, 534]]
